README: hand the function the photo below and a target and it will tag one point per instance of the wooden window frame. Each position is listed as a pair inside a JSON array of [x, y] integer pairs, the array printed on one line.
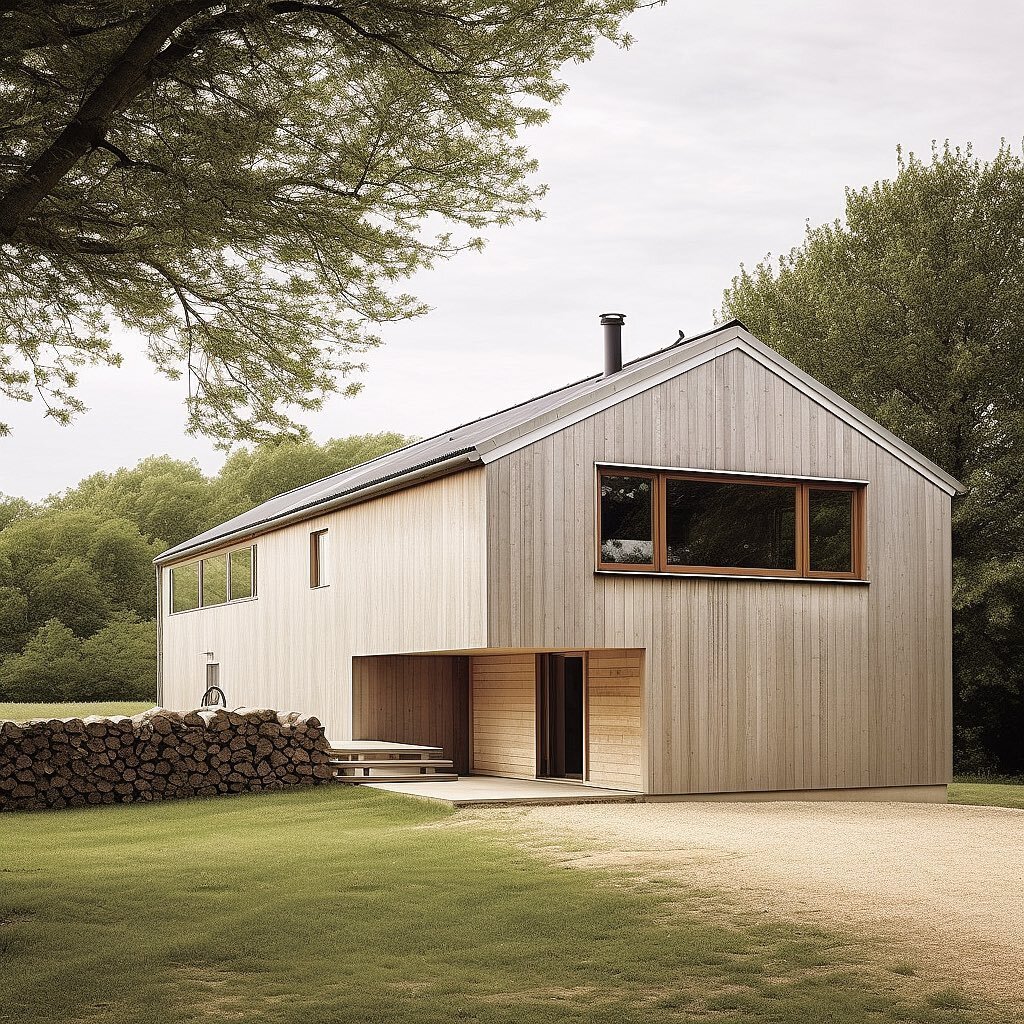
[[315, 567], [858, 539], [802, 539], [656, 505]]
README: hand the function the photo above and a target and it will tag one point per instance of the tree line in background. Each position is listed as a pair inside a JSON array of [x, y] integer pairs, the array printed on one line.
[[77, 583]]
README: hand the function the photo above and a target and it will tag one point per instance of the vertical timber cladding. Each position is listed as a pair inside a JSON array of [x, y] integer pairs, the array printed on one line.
[[406, 573], [748, 685], [504, 702], [504, 713]]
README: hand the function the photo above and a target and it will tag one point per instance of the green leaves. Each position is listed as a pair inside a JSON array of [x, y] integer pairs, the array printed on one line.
[[244, 183], [912, 310], [77, 585]]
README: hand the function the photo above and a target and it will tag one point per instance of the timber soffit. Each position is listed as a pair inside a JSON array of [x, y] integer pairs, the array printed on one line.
[[492, 437]]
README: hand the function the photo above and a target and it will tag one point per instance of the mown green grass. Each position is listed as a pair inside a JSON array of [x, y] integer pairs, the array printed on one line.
[[987, 794], [331, 906], [23, 712]]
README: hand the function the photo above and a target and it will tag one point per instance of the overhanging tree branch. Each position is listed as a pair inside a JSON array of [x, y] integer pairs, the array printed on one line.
[[126, 79]]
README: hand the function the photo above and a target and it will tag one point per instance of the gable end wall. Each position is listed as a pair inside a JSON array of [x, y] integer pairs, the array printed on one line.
[[749, 685]]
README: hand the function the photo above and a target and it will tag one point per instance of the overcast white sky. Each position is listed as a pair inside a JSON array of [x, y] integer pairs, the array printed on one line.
[[707, 144]]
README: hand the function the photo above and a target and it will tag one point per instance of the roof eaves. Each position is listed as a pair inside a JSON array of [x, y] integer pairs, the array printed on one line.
[[318, 507], [869, 426]]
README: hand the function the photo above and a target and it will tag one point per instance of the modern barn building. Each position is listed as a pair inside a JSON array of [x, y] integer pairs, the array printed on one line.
[[699, 573]]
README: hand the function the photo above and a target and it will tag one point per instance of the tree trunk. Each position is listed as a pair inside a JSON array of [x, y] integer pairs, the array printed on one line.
[[127, 77]]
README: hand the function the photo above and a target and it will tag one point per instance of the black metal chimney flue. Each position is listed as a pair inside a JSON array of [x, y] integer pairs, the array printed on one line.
[[612, 324]]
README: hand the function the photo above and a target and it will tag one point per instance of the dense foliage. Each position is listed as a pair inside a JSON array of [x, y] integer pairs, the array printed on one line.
[[77, 585], [913, 310], [243, 182]]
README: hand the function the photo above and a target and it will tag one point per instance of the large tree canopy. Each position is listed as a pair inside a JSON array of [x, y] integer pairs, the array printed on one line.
[[244, 181], [913, 310]]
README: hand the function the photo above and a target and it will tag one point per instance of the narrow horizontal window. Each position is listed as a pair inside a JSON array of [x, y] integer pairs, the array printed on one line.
[[627, 520], [215, 580], [714, 524]]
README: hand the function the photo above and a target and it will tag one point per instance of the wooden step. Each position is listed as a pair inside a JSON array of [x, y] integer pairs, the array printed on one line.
[[352, 750], [387, 760], [360, 780], [401, 765]]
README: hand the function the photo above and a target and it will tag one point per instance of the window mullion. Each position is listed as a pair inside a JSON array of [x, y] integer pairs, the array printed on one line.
[[803, 530], [658, 526]]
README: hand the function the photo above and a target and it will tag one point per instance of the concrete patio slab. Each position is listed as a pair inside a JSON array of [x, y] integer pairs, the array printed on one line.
[[479, 790]]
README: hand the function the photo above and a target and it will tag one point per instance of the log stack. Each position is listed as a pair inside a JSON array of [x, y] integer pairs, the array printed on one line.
[[158, 755]]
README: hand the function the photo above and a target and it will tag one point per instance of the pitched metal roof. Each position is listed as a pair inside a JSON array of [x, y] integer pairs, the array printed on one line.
[[490, 437]]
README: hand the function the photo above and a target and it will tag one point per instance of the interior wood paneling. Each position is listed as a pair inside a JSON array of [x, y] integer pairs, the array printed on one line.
[[408, 699], [503, 700], [614, 687]]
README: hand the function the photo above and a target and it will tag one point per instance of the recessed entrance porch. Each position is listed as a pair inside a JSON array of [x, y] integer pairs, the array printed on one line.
[[573, 716]]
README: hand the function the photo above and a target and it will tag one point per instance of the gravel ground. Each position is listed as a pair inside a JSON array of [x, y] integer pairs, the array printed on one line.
[[946, 880]]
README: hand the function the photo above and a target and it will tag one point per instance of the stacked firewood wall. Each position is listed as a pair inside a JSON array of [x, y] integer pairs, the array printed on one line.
[[158, 755]]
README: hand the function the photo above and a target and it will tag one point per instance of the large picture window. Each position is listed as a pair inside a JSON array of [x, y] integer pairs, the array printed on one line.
[[218, 579], [701, 523]]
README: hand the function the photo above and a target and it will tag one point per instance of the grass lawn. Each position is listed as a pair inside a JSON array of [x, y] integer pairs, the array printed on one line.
[[987, 794], [23, 712], [335, 905]]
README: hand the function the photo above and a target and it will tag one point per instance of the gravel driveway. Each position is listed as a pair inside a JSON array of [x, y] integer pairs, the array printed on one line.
[[947, 879]]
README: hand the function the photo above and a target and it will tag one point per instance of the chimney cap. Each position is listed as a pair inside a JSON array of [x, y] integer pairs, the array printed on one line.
[[612, 324]]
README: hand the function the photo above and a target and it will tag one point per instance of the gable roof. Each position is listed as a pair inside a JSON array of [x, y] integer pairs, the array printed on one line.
[[492, 437]]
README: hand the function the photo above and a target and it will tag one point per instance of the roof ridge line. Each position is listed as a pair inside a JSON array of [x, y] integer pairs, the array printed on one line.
[[515, 405]]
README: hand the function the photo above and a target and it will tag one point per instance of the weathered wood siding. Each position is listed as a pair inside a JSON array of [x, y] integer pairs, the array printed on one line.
[[614, 727], [503, 702], [406, 573], [749, 685], [411, 699]]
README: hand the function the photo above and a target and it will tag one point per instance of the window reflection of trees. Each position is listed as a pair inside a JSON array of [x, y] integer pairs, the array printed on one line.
[[830, 523], [741, 526], [627, 535], [215, 580]]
